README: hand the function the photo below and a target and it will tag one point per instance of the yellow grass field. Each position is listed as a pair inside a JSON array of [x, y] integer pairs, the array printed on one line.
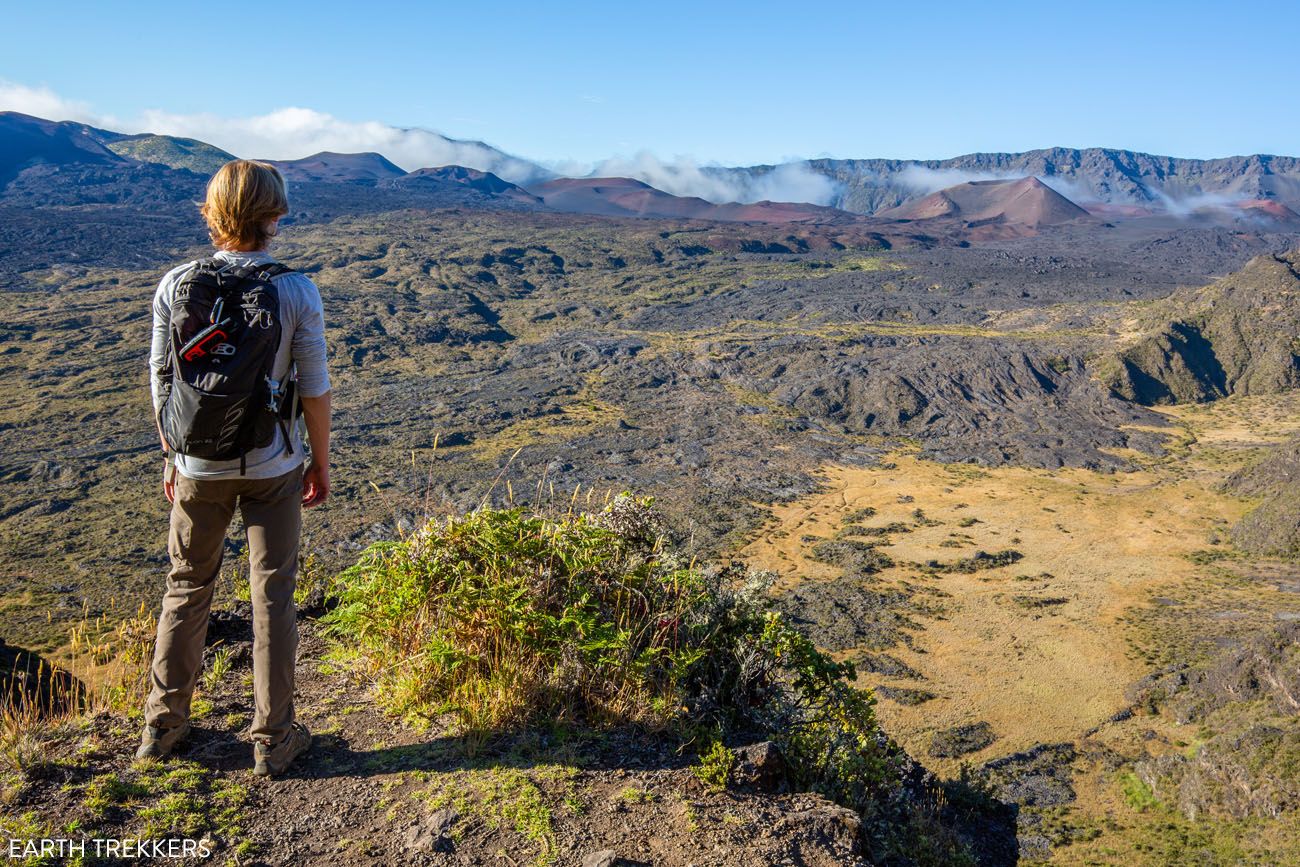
[[1116, 567]]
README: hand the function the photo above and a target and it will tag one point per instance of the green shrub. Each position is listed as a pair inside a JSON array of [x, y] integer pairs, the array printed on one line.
[[502, 618], [715, 765], [1137, 794], [855, 557], [505, 618], [977, 562]]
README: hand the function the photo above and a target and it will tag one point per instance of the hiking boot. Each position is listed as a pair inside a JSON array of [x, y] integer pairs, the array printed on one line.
[[157, 743], [272, 761]]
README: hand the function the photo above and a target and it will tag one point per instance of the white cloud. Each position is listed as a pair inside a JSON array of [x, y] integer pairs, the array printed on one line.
[[43, 102], [1200, 203], [683, 176], [924, 180], [792, 182], [1074, 190], [291, 133]]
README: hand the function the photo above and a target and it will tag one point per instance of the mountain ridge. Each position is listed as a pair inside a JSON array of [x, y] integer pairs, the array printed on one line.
[[1106, 175], [26, 141], [335, 167], [629, 197], [1108, 182]]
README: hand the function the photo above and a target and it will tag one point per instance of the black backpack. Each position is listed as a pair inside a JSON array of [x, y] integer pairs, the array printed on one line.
[[219, 400]]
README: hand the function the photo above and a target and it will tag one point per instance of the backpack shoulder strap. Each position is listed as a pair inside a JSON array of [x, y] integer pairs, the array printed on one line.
[[209, 264], [203, 272], [264, 273]]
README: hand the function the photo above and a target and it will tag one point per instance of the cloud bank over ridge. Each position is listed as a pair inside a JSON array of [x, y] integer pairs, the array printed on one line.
[[283, 134], [292, 133], [683, 176]]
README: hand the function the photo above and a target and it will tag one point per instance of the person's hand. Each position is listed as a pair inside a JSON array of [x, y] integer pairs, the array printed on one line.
[[169, 482], [315, 484]]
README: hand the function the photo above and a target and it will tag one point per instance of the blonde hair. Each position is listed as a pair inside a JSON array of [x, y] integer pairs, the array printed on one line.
[[243, 196]]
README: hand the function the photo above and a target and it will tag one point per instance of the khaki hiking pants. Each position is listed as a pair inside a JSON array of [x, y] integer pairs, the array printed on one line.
[[272, 511]]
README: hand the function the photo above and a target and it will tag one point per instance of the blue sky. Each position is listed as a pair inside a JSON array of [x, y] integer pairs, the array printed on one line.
[[735, 83]]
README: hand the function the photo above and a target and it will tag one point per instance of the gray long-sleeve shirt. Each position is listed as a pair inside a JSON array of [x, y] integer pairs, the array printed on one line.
[[302, 343]]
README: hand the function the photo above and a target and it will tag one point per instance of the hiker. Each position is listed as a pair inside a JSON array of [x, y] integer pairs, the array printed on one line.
[[238, 354]]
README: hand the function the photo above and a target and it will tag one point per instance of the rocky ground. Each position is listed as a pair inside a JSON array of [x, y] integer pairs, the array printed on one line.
[[375, 791], [554, 353], [496, 355]]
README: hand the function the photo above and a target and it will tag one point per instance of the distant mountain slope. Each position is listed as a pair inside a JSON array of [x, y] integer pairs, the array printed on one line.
[[1005, 208], [1105, 175], [176, 153], [27, 141], [626, 197], [1236, 336], [45, 163], [442, 177], [1273, 527], [336, 168]]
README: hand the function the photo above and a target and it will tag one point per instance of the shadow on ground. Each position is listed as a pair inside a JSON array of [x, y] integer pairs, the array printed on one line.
[[28, 679]]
